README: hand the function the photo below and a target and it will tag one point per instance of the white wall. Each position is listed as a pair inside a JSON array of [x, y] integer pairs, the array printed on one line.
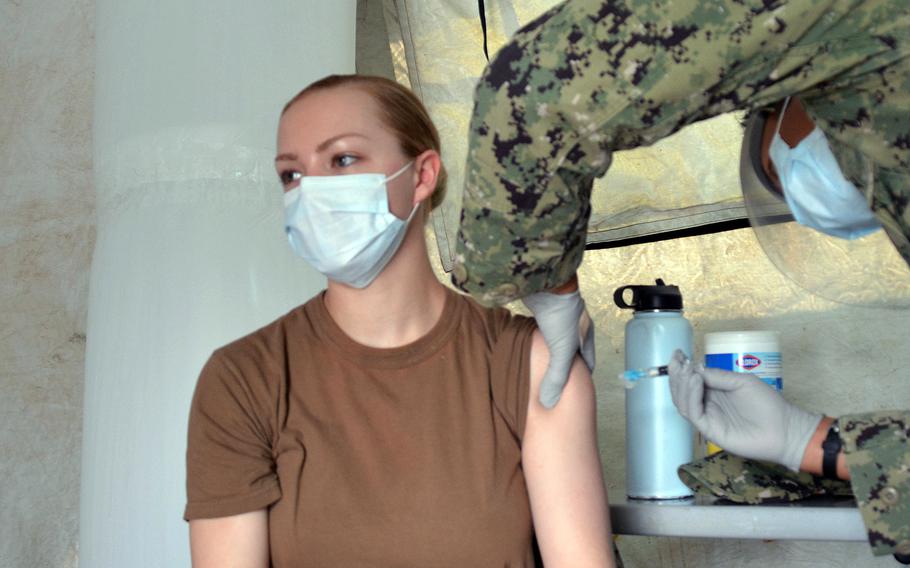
[[46, 236], [190, 251]]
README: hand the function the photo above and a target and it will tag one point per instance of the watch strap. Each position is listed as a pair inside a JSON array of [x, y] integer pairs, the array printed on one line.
[[830, 449]]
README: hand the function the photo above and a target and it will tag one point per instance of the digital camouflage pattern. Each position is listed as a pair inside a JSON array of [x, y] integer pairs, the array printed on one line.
[[588, 78], [878, 458], [877, 451], [742, 480]]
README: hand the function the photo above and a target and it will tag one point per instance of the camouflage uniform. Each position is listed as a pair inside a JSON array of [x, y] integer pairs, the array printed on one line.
[[588, 78], [878, 458]]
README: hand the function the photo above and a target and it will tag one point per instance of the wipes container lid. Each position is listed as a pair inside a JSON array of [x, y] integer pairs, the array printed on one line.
[[645, 298], [741, 341]]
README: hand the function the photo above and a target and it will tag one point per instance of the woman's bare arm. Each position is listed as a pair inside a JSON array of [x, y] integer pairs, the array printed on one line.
[[238, 541], [563, 472]]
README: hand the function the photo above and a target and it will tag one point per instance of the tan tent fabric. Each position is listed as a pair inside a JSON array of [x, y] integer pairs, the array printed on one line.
[[437, 50]]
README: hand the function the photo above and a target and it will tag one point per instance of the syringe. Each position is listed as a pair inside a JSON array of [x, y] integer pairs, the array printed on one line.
[[630, 377]]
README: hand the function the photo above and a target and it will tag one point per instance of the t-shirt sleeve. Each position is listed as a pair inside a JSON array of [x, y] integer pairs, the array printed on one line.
[[230, 467], [511, 372], [877, 453]]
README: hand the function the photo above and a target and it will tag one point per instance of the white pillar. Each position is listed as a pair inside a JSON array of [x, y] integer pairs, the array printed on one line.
[[190, 249]]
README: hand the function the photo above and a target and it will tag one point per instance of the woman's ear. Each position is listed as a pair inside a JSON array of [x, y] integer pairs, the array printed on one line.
[[426, 168]]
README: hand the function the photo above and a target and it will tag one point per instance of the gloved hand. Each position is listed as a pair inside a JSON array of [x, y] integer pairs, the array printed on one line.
[[741, 413], [567, 328]]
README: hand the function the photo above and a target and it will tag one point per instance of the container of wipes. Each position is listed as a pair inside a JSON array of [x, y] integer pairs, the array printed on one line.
[[756, 352]]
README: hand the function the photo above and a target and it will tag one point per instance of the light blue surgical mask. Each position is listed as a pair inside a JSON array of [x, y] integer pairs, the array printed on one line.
[[342, 225], [818, 194]]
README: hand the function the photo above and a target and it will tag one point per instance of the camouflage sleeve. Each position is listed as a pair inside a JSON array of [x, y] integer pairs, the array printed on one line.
[[584, 79], [591, 77], [878, 457], [534, 150]]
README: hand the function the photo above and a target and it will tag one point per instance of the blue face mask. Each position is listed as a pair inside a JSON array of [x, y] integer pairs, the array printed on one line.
[[342, 225], [818, 194]]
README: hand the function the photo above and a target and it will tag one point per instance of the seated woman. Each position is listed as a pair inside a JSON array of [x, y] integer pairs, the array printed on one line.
[[389, 421]]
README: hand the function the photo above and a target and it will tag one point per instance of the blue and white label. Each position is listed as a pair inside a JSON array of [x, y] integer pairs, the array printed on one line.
[[766, 365]]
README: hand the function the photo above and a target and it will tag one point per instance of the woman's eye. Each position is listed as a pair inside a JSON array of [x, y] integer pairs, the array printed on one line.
[[288, 177], [343, 160]]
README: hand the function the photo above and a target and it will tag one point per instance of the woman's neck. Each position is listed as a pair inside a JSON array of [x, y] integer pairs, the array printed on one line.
[[400, 306]]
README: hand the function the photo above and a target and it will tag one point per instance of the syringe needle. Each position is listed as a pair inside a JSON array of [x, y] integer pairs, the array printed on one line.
[[631, 376]]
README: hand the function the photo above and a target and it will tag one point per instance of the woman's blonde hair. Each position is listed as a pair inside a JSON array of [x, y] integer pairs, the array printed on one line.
[[401, 112]]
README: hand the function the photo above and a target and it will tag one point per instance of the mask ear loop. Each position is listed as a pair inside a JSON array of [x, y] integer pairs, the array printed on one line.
[[780, 118], [395, 175], [870, 181], [399, 172], [870, 172]]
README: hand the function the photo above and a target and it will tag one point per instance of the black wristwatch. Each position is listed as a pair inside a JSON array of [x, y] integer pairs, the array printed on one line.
[[831, 448]]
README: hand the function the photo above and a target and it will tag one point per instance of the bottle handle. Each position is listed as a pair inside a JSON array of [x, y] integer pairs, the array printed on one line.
[[621, 302]]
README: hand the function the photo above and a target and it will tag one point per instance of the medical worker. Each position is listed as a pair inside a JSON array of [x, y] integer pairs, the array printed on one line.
[[588, 78]]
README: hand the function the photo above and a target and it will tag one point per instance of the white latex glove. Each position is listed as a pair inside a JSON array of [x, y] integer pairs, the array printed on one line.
[[567, 328], [741, 413]]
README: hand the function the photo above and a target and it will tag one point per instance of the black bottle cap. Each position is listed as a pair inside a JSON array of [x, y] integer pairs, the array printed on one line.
[[659, 297]]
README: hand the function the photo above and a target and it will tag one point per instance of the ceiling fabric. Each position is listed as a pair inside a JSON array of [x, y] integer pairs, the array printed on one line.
[[685, 181]]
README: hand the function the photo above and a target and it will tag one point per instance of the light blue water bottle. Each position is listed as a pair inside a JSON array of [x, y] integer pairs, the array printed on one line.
[[658, 438]]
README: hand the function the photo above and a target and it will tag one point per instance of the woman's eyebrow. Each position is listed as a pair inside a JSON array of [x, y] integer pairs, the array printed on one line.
[[322, 146], [290, 157], [334, 139]]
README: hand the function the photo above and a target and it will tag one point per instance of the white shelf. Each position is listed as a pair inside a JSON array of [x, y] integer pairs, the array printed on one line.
[[812, 519]]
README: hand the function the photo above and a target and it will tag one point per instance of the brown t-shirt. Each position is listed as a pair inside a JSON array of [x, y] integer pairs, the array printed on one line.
[[408, 456]]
